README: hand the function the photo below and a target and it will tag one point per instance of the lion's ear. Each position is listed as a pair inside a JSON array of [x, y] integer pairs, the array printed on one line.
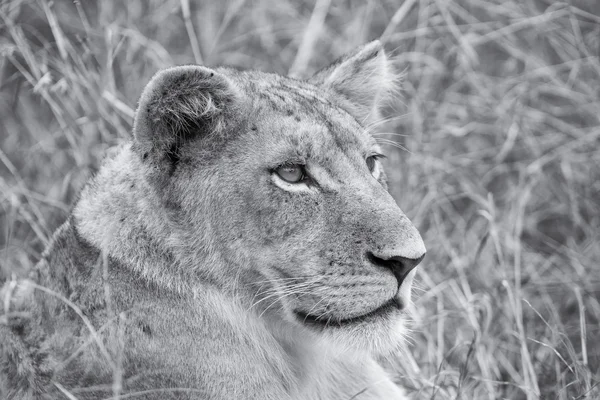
[[180, 104], [361, 79]]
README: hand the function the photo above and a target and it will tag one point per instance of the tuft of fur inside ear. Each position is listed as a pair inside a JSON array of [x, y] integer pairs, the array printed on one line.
[[362, 80], [180, 104]]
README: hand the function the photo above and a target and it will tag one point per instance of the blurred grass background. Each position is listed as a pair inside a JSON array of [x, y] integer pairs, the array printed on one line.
[[493, 151]]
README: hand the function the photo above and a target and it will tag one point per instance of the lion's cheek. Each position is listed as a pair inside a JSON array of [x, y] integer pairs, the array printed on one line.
[[276, 226], [277, 217]]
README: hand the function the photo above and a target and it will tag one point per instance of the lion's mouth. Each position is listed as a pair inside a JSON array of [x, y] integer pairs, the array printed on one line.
[[392, 305]]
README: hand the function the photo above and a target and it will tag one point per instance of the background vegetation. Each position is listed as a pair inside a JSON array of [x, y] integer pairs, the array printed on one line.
[[494, 152]]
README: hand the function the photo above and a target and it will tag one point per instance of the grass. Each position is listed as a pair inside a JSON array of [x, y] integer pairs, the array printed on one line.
[[500, 116]]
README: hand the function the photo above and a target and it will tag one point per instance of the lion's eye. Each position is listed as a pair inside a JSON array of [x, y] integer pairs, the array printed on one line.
[[291, 173], [372, 161]]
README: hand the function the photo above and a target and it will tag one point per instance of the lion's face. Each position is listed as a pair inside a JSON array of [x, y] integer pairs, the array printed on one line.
[[331, 249], [296, 204]]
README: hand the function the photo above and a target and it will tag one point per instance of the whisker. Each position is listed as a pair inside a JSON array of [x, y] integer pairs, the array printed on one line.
[[287, 279], [382, 121], [317, 303], [389, 133], [285, 295], [277, 292], [389, 142]]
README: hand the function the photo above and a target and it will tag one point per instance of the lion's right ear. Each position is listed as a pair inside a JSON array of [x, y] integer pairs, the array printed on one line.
[[180, 104], [361, 81]]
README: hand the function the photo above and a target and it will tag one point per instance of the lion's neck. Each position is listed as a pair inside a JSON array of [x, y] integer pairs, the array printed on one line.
[[120, 215]]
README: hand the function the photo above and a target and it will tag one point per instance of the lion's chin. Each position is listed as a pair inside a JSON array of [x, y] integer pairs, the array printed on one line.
[[379, 332]]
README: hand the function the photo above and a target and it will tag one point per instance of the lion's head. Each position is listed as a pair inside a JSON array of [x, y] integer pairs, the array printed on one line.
[[281, 190]]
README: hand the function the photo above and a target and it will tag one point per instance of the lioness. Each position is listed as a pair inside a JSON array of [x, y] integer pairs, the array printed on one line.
[[242, 246]]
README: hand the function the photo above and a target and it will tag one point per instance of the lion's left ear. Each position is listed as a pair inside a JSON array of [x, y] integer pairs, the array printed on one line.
[[179, 105], [362, 80]]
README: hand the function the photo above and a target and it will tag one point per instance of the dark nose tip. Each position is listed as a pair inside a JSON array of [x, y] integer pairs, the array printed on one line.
[[399, 265]]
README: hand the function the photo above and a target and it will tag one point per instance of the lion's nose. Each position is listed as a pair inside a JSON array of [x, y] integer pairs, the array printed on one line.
[[399, 265]]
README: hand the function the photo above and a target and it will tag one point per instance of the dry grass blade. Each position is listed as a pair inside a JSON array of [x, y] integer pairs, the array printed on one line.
[[189, 26], [64, 391], [83, 318], [311, 33], [399, 15]]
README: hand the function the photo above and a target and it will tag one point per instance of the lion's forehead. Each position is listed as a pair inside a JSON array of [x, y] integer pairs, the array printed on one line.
[[299, 119]]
